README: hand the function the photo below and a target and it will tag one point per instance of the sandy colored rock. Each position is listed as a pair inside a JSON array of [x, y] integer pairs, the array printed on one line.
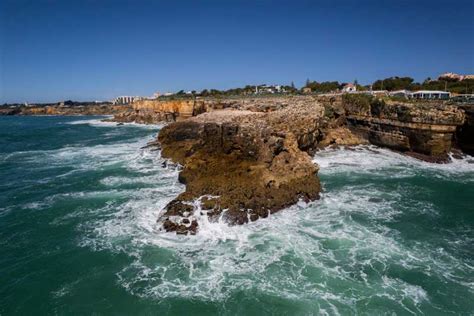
[[249, 164]]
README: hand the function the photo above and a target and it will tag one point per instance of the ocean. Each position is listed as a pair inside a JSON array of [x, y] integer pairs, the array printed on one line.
[[79, 200]]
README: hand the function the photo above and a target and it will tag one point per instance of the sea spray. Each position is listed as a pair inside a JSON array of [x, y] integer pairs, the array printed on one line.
[[79, 211]]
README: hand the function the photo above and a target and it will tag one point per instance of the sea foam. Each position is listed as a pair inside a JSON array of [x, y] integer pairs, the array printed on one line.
[[308, 252]]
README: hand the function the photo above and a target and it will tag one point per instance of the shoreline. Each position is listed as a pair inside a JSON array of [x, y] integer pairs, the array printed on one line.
[[253, 157]]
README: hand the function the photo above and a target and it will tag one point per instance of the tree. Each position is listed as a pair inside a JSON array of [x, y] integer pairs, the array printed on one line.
[[392, 83], [326, 86]]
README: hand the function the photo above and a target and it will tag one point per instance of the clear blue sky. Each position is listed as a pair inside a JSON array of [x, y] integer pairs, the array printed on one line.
[[88, 50]]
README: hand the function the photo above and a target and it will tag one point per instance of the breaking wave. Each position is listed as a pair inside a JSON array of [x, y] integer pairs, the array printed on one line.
[[99, 122], [333, 254]]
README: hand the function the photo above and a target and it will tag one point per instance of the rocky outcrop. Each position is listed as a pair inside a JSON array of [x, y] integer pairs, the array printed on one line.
[[254, 158], [155, 111], [423, 130], [243, 165], [89, 109]]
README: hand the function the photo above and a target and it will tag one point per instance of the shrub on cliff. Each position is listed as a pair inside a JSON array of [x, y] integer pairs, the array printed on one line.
[[364, 104], [357, 104]]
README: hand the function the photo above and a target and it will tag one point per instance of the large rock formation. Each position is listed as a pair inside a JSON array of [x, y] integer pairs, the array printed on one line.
[[254, 157], [155, 111], [423, 130], [244, 164]]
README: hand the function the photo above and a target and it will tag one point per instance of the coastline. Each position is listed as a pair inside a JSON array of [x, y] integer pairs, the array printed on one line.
[[393, 228], [223, 145]]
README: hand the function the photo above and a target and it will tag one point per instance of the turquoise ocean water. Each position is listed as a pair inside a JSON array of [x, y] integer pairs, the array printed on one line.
[[79, 201]]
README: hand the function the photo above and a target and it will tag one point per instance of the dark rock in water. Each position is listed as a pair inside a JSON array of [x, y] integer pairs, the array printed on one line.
[[154, 144], [375, 200], [185, 228], [440, 159], [457, 154]]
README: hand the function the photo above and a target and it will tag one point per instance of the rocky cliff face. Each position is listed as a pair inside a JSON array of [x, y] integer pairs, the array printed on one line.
[[154, 111], [423, 130], [242, 164], [254, 157]]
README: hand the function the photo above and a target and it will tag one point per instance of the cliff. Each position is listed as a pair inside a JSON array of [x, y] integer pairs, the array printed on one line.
[[246, 158], [154, 111], [423, 130], [241, 164]]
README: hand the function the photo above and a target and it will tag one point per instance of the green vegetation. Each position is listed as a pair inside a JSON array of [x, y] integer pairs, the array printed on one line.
[[400, 83], [393, 83], [389, 84], [323, 87], [363, 104]]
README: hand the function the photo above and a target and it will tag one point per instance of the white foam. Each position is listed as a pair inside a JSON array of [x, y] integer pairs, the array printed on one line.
[[309, 252], [374, 160], [99, 122], [221, 259]]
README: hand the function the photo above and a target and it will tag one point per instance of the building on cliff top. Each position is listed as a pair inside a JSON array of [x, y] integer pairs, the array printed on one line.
[[126, 99], [350, 87], [431, 95], [400, 93], [262, 89], [453, 76]]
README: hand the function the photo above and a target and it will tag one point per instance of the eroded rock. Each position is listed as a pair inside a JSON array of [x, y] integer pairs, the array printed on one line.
[[251, 163]]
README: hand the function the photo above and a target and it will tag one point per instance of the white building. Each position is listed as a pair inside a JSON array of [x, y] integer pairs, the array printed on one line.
[[125, 99], [269, 89], [400, 93], [430, 95], [453, 76], [350, 87]]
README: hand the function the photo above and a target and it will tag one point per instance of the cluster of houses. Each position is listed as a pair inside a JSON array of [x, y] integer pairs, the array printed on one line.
[[421, 94], [125, 99], [455, 77], [347, 88], [259, 89]]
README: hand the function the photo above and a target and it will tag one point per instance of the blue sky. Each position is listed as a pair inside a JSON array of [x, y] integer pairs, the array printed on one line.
[[96, 50]]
